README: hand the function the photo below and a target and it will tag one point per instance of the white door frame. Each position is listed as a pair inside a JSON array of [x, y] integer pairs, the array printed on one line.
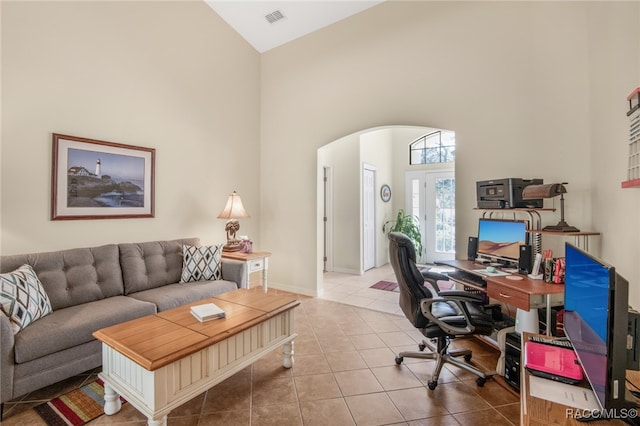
[[328, 218], [368, 217]]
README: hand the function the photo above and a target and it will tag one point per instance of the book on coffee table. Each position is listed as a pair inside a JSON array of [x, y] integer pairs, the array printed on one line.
[[206, 312]]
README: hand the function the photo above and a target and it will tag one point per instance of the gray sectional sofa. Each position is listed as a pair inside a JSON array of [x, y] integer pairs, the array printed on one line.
[[89, 289]]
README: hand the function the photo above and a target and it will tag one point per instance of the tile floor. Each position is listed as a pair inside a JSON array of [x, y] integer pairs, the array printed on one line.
[[344, 374]]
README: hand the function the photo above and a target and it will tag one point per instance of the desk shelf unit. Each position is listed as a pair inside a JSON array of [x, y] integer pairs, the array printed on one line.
[[535, 226]]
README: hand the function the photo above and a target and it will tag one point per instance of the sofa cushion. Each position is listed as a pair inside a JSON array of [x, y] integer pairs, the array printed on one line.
[[73, 326], [201, 263], [174, 295], [22, 297], [152, 264], [75, 276]]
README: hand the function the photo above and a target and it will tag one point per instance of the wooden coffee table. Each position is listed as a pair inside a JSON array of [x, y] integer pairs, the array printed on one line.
[[161, 361]]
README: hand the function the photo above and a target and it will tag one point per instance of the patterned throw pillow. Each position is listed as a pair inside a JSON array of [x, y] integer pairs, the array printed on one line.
[[22, 297], [201, 263]]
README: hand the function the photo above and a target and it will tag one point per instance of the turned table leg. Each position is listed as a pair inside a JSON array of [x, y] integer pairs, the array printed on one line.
[[112, 402], [287, 355]]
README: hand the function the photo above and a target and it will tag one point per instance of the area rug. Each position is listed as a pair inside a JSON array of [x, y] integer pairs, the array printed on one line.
[[385, 285], [75, 408]]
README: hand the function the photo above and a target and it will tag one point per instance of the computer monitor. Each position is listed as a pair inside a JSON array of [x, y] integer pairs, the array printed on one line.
[[500, 240], [596, 323]]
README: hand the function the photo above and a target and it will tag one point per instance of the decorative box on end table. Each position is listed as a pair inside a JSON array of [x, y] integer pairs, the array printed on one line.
[[257, 266]]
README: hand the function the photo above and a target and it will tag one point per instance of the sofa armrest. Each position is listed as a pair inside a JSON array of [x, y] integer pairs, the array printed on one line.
[[7, 342], [236, 271]]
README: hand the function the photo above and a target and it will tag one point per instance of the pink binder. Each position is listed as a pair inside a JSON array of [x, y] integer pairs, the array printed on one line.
[[552, 362]]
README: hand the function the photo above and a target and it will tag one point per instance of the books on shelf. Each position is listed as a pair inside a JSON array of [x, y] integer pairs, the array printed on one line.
[[206, 312]]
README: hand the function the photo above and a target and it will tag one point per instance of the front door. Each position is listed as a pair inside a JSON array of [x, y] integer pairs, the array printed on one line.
[[431, 198]]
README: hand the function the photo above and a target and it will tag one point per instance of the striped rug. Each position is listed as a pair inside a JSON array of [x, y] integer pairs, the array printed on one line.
[[75, 408]]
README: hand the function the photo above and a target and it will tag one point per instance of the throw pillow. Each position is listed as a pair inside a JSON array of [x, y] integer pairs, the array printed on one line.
[[201, 263], [22, 297]]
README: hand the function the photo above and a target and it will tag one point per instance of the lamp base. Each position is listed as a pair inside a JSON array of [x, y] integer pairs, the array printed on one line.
[[232, 246], [561, 227]]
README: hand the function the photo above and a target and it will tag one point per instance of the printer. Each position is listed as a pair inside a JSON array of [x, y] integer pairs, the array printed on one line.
[[506, 193]]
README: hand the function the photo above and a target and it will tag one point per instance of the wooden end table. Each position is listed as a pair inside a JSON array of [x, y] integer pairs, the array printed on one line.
[[161, 361], [257, 261]]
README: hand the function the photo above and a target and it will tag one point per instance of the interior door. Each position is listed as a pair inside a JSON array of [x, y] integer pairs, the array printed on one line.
[[431, 199], [368, 217]]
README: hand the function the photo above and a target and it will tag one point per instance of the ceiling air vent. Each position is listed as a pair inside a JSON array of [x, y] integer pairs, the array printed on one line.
[[274, 16]]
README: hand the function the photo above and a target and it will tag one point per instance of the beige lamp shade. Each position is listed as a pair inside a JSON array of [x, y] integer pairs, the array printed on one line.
[[234, 208]]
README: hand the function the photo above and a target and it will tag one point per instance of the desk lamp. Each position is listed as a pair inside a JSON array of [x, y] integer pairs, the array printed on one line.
[[549, 191], [233, 211]]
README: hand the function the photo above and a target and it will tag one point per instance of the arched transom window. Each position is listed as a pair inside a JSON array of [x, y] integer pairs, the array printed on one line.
[[435, 147]]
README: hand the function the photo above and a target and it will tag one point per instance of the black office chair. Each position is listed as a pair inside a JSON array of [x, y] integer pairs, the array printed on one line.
[[440, 315]]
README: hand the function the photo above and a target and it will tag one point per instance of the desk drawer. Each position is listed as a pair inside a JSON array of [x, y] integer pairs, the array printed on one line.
[[509, 296], [256, 265]]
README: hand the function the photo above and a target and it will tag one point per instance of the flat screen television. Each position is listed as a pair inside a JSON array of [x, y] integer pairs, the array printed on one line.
[[596, 323], [500, 240]]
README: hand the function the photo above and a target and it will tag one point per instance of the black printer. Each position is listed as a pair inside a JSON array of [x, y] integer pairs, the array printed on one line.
[[506, 193]]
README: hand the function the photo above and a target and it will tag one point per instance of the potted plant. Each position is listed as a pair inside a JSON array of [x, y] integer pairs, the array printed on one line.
[[408, 225]]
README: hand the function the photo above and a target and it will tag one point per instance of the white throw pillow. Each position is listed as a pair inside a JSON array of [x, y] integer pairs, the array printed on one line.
[[22, 297], [201, 263]]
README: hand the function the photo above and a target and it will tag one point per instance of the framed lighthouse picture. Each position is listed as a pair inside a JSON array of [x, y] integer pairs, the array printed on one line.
[[93, 179]]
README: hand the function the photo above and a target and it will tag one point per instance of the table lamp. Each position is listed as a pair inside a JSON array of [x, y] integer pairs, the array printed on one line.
[[233, 211], [549, 191]]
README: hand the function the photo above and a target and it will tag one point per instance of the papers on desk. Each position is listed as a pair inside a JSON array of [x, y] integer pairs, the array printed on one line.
[[206, 312], [562, 393]]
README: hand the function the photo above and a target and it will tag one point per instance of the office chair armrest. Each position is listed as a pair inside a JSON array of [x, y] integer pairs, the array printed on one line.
[[432, 278], [425, 306]]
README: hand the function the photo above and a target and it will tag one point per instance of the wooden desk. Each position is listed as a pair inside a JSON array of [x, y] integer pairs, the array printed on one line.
[[513, 293]]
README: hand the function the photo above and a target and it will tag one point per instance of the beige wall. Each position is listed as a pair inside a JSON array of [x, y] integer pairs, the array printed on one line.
[[168, 75], [512, 79], [531, 90]]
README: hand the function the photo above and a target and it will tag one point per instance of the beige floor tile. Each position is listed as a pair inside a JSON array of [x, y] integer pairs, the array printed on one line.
[[456, 397], [482, 418], [317, 386], [343, 361], [325, 412], [279, 391], [396, 377], [367, 341], [378, 357], [373, 409], [310, 364], [356, 382], [406, 400], [276, 415]]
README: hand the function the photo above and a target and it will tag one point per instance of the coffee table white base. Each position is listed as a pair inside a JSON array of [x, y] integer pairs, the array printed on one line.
[[155, 393]]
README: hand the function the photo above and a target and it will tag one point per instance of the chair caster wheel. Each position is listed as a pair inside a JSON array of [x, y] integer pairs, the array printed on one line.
[[431, 384], [399, 360], [467, 357], [422, 346], [480, 381]]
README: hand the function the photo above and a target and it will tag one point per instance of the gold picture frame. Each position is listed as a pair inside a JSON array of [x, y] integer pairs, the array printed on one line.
[[94, 179]]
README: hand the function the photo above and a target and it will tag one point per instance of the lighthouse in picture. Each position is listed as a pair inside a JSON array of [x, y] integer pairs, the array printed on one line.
[[98, 168]]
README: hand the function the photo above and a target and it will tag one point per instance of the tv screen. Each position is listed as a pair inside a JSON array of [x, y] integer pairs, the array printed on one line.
[[501, 239], [595, 321]]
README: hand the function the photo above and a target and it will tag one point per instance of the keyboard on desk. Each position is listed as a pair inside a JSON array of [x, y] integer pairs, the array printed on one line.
[[467, 277]]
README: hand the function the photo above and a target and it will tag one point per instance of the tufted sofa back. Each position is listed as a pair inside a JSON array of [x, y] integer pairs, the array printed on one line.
[[152, 264], [75, 276]]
